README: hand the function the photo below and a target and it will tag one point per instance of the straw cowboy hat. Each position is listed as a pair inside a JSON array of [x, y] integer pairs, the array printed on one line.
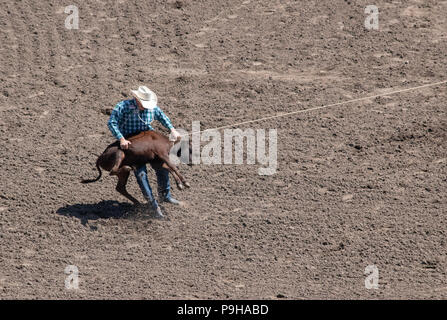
[[147, 97]]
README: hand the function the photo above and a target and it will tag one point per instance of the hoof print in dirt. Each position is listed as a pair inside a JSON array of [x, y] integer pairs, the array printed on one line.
[[59, 83]]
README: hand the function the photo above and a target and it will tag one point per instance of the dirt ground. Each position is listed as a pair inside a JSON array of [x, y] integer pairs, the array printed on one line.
[[358, 184]]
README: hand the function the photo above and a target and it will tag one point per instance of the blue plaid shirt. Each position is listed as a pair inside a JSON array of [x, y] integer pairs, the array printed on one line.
[[126, 119]]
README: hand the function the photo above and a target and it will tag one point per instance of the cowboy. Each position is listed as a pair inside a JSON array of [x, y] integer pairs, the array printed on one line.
[[130, 117]]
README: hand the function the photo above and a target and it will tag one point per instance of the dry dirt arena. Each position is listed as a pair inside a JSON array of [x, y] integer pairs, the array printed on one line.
[[357, 184]]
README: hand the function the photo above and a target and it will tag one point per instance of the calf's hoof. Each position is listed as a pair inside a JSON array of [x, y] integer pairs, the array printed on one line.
[[187, 185], [180, 186]]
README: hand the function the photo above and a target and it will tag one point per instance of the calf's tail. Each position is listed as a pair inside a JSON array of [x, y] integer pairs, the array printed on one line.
[[96, 179]]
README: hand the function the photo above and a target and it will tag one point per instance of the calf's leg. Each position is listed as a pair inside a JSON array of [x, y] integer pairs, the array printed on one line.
[[123, 175], [176, 178], [173, 169], [119, 157]]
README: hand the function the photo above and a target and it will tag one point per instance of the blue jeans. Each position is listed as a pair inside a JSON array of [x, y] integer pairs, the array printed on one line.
[[164, 187]]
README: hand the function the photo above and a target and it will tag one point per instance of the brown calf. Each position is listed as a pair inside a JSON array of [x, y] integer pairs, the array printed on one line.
[[146, 147]]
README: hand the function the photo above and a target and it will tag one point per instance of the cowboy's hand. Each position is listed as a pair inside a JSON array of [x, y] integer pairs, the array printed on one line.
[[174, 135], [124, 144]]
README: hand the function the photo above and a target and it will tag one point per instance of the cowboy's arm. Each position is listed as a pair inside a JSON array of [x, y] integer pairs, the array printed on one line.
[[164, 120], [160, 116], [114, 120]]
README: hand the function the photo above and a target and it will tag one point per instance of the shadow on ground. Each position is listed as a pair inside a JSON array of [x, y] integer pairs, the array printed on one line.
[[105, 209]]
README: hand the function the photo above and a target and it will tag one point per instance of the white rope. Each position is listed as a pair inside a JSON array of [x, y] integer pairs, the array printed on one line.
[[321, 107]]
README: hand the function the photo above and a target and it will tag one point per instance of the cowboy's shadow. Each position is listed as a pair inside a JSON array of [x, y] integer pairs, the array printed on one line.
[[106, 209]]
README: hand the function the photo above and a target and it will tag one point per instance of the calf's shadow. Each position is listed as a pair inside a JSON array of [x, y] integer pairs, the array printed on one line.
[[106, 209]]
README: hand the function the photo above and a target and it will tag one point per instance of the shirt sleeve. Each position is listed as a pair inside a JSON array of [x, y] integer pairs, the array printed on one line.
[[164, 120], [114, 120]]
